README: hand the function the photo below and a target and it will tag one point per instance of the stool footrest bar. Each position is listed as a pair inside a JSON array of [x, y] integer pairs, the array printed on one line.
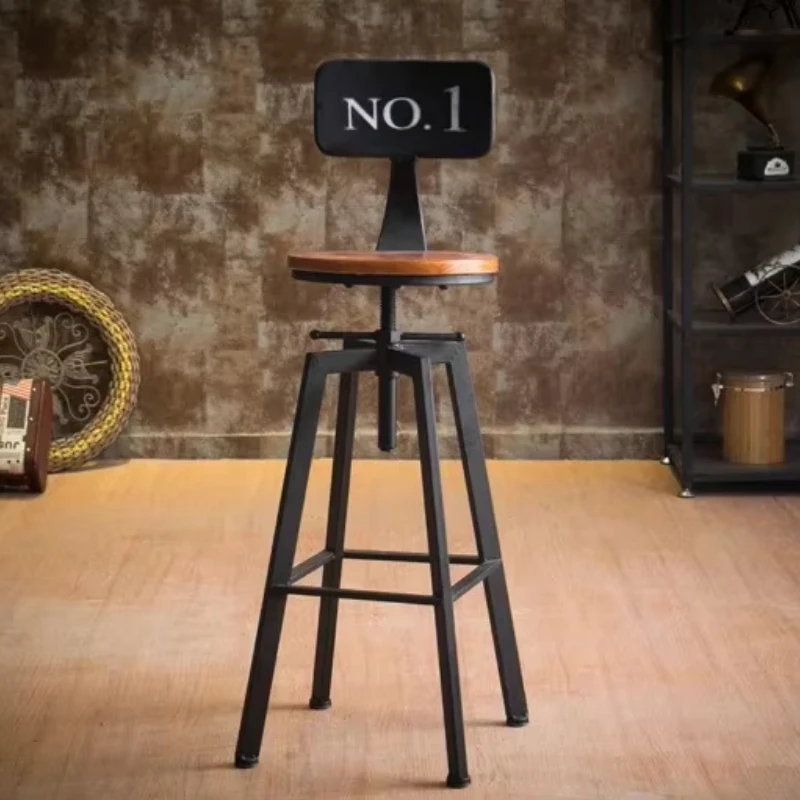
[[471, 579], [412, 558], [356, 594]]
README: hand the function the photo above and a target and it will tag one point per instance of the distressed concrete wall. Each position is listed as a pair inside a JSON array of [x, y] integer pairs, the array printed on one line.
[[164, 151]]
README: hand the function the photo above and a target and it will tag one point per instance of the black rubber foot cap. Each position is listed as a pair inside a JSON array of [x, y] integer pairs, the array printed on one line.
[[517, 722], [246, 762], [456, 782], [319, 703]]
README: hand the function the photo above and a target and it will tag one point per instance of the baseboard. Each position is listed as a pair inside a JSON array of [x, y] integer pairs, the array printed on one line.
[[540, 443]]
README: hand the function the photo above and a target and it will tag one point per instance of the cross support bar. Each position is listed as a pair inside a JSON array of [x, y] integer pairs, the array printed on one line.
[[482, 571], [409, 558], [310, 564], [473, 578], [357, 594]]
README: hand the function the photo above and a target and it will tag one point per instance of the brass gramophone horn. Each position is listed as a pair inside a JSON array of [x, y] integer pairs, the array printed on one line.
[[742, 82]]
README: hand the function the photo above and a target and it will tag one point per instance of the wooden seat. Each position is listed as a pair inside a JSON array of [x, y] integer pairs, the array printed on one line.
[[394, 266]]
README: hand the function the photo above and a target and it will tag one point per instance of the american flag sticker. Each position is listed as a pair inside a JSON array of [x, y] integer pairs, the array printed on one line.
[[14, 405], [21, 389]]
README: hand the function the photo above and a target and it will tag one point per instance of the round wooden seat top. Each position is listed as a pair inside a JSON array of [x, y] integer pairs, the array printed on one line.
[[373, 266]]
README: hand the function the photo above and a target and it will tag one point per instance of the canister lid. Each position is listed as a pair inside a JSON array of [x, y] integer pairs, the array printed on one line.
[[755, 380]]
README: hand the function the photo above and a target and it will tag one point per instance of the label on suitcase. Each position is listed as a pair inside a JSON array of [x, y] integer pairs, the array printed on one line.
[[15, 399]]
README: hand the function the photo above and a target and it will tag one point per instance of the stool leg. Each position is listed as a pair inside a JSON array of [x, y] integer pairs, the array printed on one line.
[[483, 519], [334, 540], [458, 775], [284, 544]]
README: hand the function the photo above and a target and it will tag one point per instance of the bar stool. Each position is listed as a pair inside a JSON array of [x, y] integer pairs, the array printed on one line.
[[401, 260]]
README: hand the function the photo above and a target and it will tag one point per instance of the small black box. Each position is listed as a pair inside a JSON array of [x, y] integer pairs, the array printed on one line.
[[766, 164]]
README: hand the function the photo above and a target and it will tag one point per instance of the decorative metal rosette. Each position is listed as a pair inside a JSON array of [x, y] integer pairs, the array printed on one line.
[[60, 328]]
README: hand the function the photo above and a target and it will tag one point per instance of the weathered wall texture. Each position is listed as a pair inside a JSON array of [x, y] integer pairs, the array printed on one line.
[[164, 151]]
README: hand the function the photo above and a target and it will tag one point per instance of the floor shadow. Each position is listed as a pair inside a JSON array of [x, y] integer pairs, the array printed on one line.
[[19, 495], [217, 766], [288, 707], [22, 494], [99, 465], [377, 785], [491, 723]]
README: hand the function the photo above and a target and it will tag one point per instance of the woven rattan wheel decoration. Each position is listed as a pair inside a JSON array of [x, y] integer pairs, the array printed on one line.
[[55, 288]]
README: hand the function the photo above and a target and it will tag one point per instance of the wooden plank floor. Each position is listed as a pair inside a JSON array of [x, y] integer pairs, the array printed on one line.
[[660, 639]]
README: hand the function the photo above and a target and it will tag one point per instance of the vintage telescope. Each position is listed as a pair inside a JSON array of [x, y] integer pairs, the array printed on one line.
[[772, 286]]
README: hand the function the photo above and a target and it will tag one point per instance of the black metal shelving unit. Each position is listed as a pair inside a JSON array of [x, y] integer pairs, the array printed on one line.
[[695, 460]]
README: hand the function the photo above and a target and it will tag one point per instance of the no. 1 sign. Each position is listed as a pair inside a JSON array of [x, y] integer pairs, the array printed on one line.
[[400, 109]]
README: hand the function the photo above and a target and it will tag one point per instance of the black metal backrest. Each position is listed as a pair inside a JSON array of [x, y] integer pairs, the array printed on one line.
[[404, 110]]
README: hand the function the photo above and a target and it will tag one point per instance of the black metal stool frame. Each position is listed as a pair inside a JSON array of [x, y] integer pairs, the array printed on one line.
[[389, 353], [413, 355]]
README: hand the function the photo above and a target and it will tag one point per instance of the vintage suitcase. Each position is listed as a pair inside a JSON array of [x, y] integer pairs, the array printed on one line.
[[26, 429]]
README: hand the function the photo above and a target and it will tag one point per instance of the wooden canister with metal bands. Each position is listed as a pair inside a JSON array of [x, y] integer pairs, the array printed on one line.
[[753, 416]]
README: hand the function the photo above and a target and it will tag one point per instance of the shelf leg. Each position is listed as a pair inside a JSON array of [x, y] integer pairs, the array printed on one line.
[[687, 251], [667, 230]]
